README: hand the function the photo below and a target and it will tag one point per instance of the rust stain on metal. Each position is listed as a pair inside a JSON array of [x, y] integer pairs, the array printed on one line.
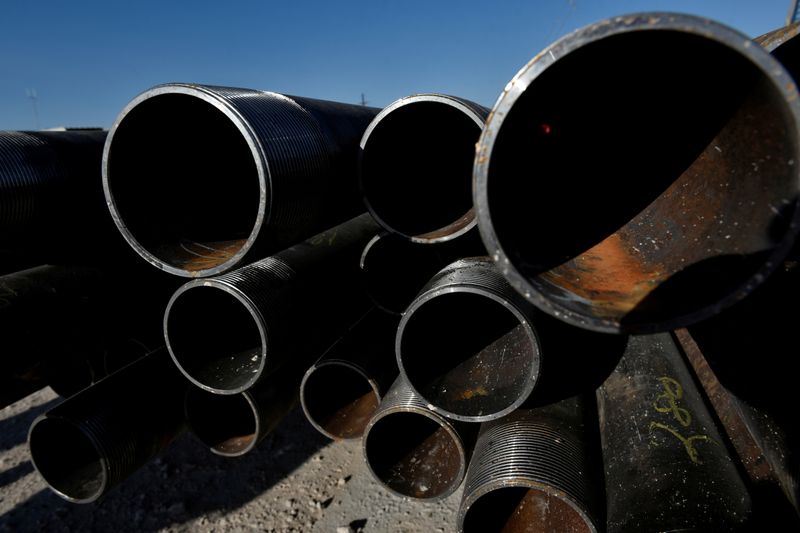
[[350, 421]]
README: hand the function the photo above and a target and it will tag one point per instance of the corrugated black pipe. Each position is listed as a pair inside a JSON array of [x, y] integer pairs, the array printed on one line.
[[467, 343], [225, 332], [416, 166], [413, 451], [533, 471], [667, 466], [97, 438], [562, 200], [248, 173], [341, 391]]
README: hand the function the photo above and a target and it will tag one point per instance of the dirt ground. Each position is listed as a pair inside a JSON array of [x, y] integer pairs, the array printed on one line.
[[295, 481]]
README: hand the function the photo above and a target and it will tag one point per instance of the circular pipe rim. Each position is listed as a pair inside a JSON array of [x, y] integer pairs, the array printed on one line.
[[213, 449], [695, 25], [444, 424], [259, 158], [248, 305], [530, 384], [345, 363], [406, 100]]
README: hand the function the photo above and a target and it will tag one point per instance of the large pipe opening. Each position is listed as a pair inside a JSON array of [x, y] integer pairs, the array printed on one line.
[[468, 355], [67, 459], [518, 509], [650, 198], [338, 399], [414, 455], [182, 181], [227, 424], [214, 338], [416, 168]]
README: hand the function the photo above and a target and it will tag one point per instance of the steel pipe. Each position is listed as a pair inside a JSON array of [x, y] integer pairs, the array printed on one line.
[[341, 391], [467, 343], [97, 438], [225, 332], [533, 471], [248, 173], [667, 466], [416, 163], [413, 451], [708, 118]]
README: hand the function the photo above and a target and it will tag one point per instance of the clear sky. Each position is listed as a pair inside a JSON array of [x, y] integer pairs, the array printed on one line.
[[87, 59]]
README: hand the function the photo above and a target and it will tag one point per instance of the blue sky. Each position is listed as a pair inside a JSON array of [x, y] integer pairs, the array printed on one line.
[[86, 60]]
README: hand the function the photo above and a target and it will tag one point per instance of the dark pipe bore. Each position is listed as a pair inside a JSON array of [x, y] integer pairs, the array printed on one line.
[[198, 177], [227, 424], [466, 344], [641, 173], [416, 166]]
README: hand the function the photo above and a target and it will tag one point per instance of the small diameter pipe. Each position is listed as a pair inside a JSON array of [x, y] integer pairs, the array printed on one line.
[[533, 471], [226, 332], [97, 438], [560, 197], [416, 165], [467, 344], [202, 179], [233, 425], [395, 269], [341, 391], [413, 451], [667, 467]]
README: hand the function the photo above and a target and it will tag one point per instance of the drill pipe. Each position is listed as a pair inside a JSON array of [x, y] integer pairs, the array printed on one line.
[[341, 391], [97, 438], [56, 323], [289, 166], [467, 344], [532, 471], [395, 269], [51, 199], [225, 332], [708, 117], [416, 164], [667, 466], [413, 451]]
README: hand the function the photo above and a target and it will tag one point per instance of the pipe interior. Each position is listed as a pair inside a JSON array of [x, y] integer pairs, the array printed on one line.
[[184, 181], [67, 459], [214, 338], [468, 354], [414, 455], [225, 423], [788, 53], [522, 510], [644, 176], [416, 169], [395, 270], [340, 400]]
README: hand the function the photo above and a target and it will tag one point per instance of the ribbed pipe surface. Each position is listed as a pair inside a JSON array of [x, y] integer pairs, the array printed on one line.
[[289, 167], [467, 343], [413, 451], [226, 332], [531, 471], [710, 118], [97, 438], [415, 166]]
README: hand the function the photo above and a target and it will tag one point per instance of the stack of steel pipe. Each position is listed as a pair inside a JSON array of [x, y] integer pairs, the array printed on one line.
[[483, 297]]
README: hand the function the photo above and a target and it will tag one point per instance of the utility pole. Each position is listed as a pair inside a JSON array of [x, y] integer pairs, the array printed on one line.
[[32, 95], [363, 101]]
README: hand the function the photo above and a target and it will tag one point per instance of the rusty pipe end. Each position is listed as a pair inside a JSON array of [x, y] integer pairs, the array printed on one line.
[[216, 336], [416, 159], [70, 458], [228, 424], [705, 114], [412, 451], [466, 344], [339, 398], [164, 162]]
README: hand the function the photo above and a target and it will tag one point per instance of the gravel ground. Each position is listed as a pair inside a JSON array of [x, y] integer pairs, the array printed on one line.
[[295, 481]]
